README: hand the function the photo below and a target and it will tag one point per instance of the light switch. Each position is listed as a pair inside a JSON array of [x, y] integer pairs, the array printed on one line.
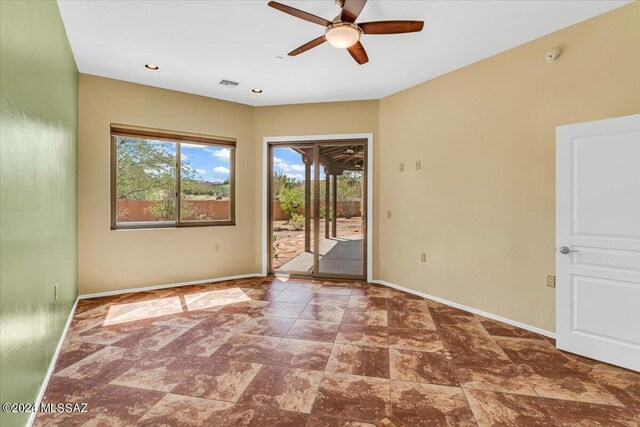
[[388, 214], [423, 257], [418, 165], [401, 167]]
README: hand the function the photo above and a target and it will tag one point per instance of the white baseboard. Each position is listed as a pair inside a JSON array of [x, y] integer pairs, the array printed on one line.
[[469, 309], [168, 285], [52, 365]]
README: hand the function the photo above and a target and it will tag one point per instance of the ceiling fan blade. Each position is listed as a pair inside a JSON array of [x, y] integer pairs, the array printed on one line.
[[391, 27], [299, 13], [351, 10], [358, 53], [309, 45]]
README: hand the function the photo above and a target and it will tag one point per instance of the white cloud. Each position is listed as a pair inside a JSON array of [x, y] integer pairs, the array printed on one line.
[[221, 169], [186, 144], [152, 171], [286, 167], [223, 153], [184, 156], [201, 171], [295, 176]]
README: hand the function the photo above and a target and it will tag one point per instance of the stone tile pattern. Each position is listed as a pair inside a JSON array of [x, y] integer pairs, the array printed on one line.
[[269, 351]]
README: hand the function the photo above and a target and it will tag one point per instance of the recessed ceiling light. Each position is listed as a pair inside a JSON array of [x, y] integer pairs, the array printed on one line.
[[151, 66], [256, 90]]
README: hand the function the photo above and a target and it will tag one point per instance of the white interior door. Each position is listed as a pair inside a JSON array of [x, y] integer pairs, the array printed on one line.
[[598, 240]]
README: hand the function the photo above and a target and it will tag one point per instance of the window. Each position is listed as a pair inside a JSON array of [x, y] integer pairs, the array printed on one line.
[[170, 179]]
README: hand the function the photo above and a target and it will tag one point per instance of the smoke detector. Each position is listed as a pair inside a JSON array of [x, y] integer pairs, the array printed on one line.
[[553, 54]]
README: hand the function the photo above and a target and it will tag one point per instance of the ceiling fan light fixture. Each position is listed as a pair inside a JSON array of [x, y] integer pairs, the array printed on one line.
[[343, 32], [342, 35]]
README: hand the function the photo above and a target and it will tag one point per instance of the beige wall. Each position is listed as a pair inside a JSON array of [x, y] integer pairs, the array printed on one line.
[[482, 206], [111, 260]]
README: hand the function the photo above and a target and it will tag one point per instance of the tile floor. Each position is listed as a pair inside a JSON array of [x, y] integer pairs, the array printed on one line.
[[266, 352]]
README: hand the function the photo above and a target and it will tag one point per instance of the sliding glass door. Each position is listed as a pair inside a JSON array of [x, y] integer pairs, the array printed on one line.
[[340, 222], [290, 208], [317, 209]]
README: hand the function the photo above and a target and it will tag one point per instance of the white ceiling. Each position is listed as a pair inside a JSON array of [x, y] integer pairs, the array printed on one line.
[[197, 43]]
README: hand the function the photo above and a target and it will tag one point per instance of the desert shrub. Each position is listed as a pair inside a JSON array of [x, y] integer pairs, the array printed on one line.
[[349, 194], [291, 199], [297, 221]]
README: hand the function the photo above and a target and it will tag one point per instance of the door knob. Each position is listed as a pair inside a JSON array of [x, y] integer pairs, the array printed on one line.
[[565, 250]]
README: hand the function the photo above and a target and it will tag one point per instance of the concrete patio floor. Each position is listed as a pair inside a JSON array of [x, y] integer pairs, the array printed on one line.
[[338, 255]]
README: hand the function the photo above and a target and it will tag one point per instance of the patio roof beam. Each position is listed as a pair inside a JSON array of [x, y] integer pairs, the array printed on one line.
[[334, 166]]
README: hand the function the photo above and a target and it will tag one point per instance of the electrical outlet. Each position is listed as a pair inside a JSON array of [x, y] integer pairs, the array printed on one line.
[[418, 165], [401, 167], [423, 257], [551, 280], [216, 247], [388, 214]]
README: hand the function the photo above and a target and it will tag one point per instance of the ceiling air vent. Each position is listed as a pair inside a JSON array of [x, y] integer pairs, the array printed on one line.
[[228, 83]]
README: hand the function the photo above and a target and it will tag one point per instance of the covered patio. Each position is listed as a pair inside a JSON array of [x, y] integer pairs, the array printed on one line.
[[337, 255]]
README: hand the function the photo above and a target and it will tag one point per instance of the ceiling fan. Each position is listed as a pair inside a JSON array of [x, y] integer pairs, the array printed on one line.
[[343, 32]]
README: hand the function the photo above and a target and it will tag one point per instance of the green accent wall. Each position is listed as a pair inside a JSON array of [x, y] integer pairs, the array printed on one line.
[[38, 198]]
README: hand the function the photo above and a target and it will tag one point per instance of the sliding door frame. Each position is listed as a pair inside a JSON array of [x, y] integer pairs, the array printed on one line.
[[266, 191], [269, 179], [316, 206]]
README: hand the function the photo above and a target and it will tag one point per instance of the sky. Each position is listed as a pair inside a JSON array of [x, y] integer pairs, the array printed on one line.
[[290, 162], [210, 163], [213, 163]]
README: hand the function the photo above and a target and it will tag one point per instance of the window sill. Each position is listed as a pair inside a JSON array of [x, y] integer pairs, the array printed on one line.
[[173, 225]]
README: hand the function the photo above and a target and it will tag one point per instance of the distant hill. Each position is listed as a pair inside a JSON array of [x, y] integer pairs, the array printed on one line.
[[205, 188]]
